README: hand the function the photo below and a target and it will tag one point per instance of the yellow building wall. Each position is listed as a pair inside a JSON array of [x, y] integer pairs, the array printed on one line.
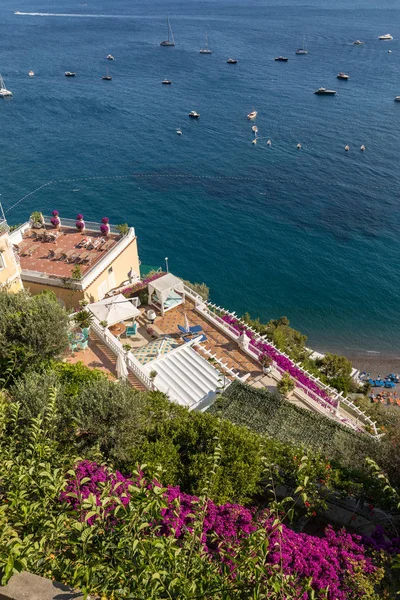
[[120, 268], [9, 269]]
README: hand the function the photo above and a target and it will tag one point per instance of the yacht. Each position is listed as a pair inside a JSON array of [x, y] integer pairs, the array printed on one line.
[[342, 75], [170, 41], [206, 49], [179, 131], [194, 114], [231, 61], [107, 77], [358, 43], [110, 57], [324, 92], [281, 58], [251, 116], [302, 50], [69, 74], [397, 99], [166, 82], [31, 73], [4, 92], [387, 36]]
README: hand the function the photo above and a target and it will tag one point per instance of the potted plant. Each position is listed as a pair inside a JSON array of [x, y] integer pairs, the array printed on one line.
[[104, 324], [84, 319], [55, 219], [266, 363], [123, 228], [80, 223], [286, 385], [126, 347], [104, 227], [36, 219], [152, 376]]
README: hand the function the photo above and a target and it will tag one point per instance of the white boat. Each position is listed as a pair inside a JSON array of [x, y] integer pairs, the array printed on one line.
[[251, 116], [4, 92], [170, 41], [362, 148], [107, 77], [255, 128], [166, 82], [302, 50], [387, 36], [231, 61], [397, 99], [358, 43], [194, 114], [342, 75], [31, 74], [69, 74], [269, 143], [347, 148], [179, 131], [298, 146], [110, 57], [206, 49]]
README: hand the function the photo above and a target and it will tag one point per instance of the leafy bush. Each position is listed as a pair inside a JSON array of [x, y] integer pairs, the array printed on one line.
[[200, 288], [286, 384]]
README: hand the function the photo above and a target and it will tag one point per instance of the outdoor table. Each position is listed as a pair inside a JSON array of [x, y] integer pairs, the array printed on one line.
[[118, 329], [78, 337]]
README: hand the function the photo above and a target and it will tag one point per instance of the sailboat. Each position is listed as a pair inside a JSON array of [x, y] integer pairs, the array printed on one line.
[[107, 77], [170, 41], [206, 49], [3, 90], [302, 50]]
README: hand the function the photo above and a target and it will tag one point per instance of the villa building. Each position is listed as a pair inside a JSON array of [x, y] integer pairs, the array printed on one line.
[[75, 262], [10, 271]]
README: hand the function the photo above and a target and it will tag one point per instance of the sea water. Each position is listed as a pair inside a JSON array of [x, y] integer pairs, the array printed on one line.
[[313, 234]]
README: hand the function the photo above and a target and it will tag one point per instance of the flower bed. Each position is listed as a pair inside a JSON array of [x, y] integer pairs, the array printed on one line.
[[130, 290], [330, 561], [283, 363]]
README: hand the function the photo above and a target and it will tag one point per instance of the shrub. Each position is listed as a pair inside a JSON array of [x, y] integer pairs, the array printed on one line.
[[286, 384], [200, 288]]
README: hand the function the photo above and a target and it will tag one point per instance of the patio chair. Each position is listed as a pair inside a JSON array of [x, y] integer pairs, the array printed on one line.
[[131, 330], [190, 339], [73, 346], [85, 332], [83, 345], [193, 330]]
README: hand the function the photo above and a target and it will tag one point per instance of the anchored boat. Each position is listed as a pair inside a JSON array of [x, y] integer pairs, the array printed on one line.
[[4, 92], [170, 41]]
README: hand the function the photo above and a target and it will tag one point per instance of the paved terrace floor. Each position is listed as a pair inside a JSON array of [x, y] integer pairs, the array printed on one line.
[[99, 356]]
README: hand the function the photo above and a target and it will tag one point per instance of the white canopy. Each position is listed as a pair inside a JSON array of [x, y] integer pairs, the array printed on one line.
[[122, 370], [164, 287], [114, 309]]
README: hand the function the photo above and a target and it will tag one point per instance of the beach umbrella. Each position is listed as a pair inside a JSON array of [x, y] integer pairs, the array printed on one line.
[[187, 324], [122, 369]]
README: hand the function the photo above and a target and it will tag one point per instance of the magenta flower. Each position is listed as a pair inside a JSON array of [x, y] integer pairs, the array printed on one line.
[[79, 217], [105, 220], [55, 213]]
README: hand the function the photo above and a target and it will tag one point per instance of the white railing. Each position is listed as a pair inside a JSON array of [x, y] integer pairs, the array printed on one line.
[[207, 309], [136, 368], [223, 365]]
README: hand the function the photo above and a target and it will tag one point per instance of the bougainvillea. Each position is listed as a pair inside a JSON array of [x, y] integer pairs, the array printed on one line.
[[55, 219], [142, 284], [329, 561]]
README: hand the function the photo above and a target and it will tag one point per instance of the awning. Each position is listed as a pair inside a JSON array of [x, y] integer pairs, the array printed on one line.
[[164, 286], [113, 310]]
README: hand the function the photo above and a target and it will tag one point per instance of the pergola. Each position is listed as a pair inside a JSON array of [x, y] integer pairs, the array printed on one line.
[[114, 309], [166, 292]]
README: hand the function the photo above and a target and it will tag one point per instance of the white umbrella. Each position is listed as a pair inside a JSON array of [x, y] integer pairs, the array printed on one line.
[[115, 309], [122, 369], [187, 324]]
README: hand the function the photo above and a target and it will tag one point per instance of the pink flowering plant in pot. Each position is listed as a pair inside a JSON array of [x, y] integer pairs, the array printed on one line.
[[80, 223], [105, 227], [55, 219]]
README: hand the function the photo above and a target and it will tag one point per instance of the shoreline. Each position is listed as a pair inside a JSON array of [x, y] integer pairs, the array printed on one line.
[[376, 363]]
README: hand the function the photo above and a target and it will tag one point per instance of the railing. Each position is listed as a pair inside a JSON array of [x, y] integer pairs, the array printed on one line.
[[89, 225], [210, 312], [135, 366]]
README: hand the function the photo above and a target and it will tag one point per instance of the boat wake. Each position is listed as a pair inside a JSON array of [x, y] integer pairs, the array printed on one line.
[[92, 16]]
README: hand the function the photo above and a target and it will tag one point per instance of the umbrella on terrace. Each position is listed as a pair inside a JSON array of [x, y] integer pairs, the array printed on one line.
[[122, 369]]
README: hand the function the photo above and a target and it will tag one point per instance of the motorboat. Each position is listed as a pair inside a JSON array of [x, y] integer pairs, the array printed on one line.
[[281, 58], [255, 128], [179, 131], [206, 49], [110, 57], [251, 116], [31, 73], [347, 147], [254, 141], [303, 50], [343, 76], [389, 52], [69, 74], [397, 99], [358, 43], [386, 37], [362, 148], [194, 114], [231, 61], [170, 40], [298, 146], [269, 143], [166, 82], [4, 92], [324, 92], [107, 77]]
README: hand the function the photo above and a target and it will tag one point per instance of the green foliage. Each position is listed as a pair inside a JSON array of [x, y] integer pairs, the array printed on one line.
[[286, 384], [76, 273], [285, 338], [15, 226], [123, 228], [337, 371], [33, 329], [200, 288], [36, 217], [84, 318]]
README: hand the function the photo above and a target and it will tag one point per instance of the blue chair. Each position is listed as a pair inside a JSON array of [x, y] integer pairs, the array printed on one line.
[[73, 346], [191, 331], [83, 345], [130, 331], [190, 339], [85, 332]]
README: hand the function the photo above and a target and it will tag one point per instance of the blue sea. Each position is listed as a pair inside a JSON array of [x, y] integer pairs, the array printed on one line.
[[313, 234]]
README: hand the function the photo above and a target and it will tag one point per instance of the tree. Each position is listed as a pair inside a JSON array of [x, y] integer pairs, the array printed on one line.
[[33, 329], [286, 384], [335, 366], [200, 288]]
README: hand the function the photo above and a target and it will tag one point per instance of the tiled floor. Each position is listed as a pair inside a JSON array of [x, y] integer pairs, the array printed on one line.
[[99, 356], [219, 344]]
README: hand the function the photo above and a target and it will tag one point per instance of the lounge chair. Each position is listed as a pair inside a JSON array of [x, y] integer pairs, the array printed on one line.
[[190, 339], [130, 331], [191, 331]]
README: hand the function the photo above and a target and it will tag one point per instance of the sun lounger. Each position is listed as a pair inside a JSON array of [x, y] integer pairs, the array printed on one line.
[[191, 331], [198, 341]]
